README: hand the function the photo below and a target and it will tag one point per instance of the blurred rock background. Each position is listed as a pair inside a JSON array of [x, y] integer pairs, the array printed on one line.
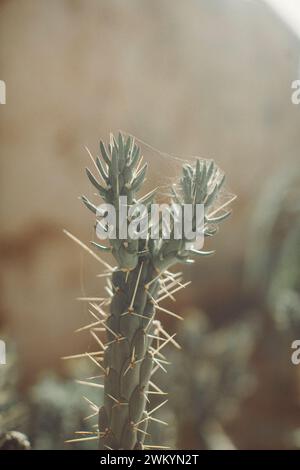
[[202, 77]]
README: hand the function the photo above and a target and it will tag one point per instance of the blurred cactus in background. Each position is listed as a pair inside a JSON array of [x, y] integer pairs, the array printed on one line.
[[284, 291], [213, 374], [276, 214], [141, 280], [274, 269], [272, 275], [56, 409], [14, 440], [13, 410]]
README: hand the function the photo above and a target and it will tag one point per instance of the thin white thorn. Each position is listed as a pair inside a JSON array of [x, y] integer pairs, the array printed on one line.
[[164, 289], [98, 340], [159, 365], [136, 286], [153, 280], [143, 432], [86, 432], [223, 206], [164, 344], [135, 314], [116, 401], [151, 348], [92, 404], [90, 384], [175, 290], [98, 364], [104, 275], [93, 160], [99, 309], [86, 248], [154, 370], [155, 447], [174, 275], [110, 330], [161, 329], [109, 291], [77, 356], [172, 314], [150, 322], [155, 386], [147, 399], [80, 439], [94, 315], [152, 298], [117, 340], [86, 327], [93, 377], [159, 338], [161, 361], [91, 416], [158, 421], [90, 299], [157, 407]]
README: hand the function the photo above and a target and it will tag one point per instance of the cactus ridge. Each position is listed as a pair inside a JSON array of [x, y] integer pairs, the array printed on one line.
[[132, 353]]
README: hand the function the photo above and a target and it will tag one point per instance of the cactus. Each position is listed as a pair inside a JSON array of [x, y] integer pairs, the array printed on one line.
[[137, 285], [14, 440], [214, 373]]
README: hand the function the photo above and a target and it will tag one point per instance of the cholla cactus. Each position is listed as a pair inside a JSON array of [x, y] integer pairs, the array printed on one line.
[[214, 373], [141, 280]]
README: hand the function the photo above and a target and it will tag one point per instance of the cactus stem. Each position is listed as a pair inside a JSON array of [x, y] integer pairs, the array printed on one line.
[[141, 280]]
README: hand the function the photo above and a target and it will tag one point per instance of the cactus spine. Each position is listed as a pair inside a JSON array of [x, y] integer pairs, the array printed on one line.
[[132, 353]]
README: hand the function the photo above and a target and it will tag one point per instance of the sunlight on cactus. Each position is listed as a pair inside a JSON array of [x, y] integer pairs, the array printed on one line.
[[133, 352]]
